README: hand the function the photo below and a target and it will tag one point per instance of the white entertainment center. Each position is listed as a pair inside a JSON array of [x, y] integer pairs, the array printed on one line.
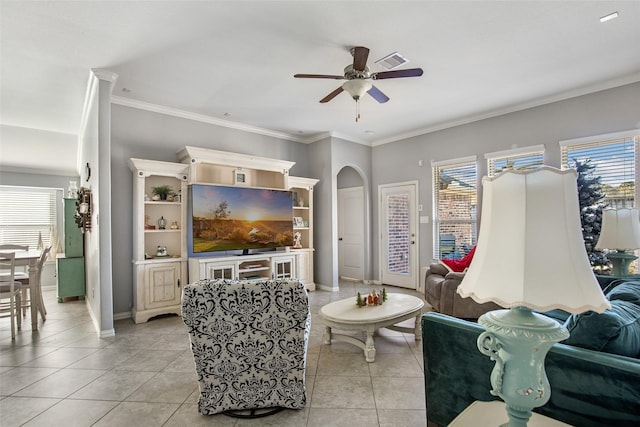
[[158, 279]]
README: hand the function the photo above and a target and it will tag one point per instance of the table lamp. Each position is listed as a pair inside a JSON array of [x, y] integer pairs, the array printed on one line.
[[621, 232], [530, 256]]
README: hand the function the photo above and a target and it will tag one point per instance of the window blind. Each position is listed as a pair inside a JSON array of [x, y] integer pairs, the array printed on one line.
[[455, 208], [26, 214], [518, 159], [615, 161]]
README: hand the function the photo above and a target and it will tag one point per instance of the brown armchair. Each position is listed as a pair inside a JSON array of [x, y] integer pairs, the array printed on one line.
[[440, 291]]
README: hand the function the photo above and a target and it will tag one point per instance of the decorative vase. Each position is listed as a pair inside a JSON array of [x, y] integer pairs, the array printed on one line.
[[72, 191], [162, 223]]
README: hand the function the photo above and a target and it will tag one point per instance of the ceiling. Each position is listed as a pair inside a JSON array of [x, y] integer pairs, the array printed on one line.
[[233, 61]]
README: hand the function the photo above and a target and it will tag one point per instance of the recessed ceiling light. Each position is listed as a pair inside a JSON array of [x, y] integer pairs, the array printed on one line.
[[125, 90], [227, 114], [609, 17], [369, 132]]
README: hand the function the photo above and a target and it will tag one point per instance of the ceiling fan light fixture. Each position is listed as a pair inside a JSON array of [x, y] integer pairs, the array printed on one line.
[[357, 87]]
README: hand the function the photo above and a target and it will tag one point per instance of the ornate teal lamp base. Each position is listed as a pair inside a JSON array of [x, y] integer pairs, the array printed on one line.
[[518, 341], [620, 261]]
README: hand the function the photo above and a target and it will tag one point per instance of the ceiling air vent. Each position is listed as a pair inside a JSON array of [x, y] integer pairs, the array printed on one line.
[[392, 61]]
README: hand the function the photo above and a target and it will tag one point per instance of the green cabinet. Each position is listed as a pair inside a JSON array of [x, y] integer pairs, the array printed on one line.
[[73, 239], [70, 264], [70, 277]]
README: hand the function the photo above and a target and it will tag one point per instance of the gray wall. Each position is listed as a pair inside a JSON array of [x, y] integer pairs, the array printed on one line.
[[143, 134], [320, 168], [330, 156], [348, 177], [148, 135], [608, 111]]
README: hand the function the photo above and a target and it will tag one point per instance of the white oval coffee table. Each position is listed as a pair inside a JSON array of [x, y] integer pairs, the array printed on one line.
[[346, 315]]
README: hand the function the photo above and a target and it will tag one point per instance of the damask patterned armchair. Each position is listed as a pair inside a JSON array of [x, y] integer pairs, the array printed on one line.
[[249, 342]]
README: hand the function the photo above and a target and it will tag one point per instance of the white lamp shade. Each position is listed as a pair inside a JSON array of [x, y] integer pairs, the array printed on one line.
[[620, 229], [530, 249]]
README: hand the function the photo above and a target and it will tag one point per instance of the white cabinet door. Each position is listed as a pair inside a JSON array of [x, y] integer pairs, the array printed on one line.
[[304, 268], [163, 285], [217, 270], [282, 267]]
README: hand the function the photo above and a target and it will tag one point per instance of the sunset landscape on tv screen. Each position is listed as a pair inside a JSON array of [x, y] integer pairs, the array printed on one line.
[[234, 218]]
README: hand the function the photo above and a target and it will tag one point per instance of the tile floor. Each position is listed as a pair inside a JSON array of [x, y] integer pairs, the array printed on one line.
[[64, 375]]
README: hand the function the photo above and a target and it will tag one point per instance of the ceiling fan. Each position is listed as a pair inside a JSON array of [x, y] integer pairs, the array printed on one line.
[[359, 80]]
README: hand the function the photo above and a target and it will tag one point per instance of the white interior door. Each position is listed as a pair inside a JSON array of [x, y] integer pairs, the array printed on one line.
[[398, 235], [351, 233]]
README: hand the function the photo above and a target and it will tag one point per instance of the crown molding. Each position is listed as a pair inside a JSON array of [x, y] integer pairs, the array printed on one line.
[[349, 138], [584, 90], [107, 75], [155, 108]]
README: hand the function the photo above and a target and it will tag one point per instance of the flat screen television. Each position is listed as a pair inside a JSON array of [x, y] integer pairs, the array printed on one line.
[[225, 218]]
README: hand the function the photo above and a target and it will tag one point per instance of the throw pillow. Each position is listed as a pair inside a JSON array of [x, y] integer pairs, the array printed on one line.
[[615, 331], [625, 291], [460, 265]]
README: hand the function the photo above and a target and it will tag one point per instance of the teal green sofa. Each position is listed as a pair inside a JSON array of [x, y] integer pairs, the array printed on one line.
[[589, 388]]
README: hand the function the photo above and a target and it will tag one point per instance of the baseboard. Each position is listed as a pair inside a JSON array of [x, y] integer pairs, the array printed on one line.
[[327, 288], [122, 316], [108, 333], [94, 320]]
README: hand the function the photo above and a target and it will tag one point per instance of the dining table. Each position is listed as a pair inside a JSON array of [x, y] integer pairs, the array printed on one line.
[[30, 258]]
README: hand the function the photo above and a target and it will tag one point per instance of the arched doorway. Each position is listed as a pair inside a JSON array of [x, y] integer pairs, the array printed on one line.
[[351, 224]]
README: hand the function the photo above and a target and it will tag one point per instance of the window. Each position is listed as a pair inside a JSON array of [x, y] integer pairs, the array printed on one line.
[[612, 159], [455, 202], [26, 214], [615, 157], [517, 158]]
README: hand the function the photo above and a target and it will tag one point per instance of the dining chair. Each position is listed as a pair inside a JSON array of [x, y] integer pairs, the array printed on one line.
[[27, 285], [11, 289], [20, 275]]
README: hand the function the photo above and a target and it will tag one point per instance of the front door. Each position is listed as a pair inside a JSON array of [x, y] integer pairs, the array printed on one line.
[[398, 235]]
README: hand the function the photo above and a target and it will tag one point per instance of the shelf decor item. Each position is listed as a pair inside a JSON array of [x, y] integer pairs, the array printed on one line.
[[162, 191], [72, 191], [530, 256], [83, 209], [239, 177], [162, 223]]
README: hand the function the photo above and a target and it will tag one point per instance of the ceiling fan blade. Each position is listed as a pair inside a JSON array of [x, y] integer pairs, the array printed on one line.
[[332, 95], [318, 76], [411, 72], [360, 55], [378, 95]]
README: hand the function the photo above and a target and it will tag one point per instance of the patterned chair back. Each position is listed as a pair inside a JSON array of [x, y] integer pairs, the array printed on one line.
[[249, 341]]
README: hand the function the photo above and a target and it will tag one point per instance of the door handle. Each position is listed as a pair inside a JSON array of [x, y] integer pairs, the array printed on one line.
[[178, 282], [340, 238], [413, 242]]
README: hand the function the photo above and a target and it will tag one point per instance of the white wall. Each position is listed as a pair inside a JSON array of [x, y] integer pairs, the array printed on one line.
[[602, 112]]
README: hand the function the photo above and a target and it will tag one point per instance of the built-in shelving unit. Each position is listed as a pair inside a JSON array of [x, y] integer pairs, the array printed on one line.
[[159, 254], [303, 209], [224, 168]]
